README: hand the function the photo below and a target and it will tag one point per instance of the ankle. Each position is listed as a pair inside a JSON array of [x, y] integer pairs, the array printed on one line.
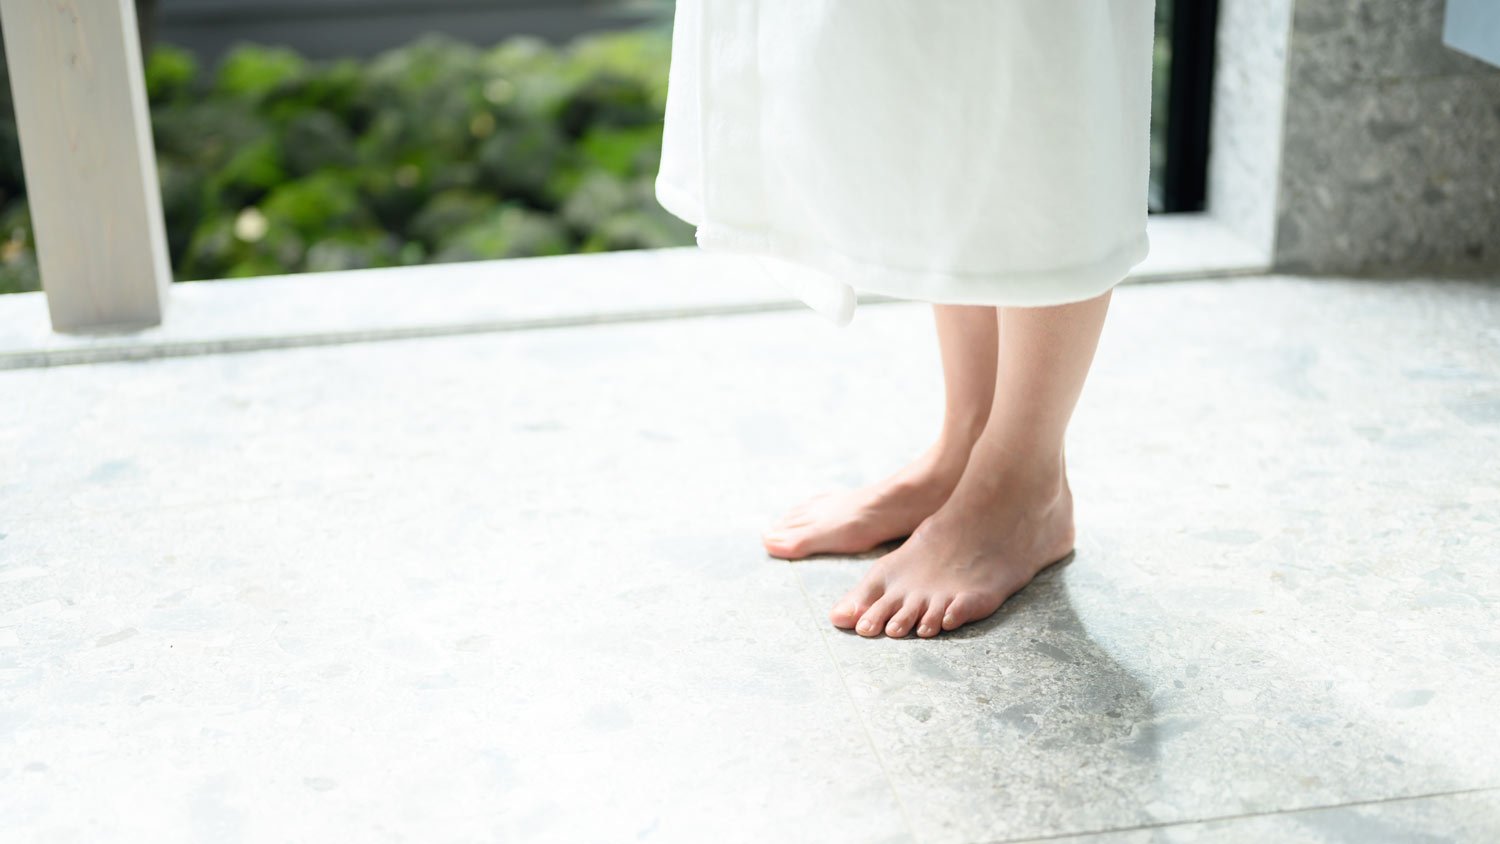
[[1035, 472], [946, 459], [937, 471], [961, 431]]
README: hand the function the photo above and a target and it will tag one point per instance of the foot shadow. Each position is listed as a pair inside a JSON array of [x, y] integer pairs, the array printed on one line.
[[1028, 702]]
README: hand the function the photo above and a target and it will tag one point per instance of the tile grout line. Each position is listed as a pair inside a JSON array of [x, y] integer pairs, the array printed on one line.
[[1244, 816], [864, 726]]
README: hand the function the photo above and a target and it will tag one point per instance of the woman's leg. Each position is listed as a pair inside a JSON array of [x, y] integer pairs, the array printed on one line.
[[1011, 513], [852, 522]]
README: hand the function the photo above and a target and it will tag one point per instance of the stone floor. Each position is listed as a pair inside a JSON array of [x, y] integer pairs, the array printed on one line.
[[508, 587]]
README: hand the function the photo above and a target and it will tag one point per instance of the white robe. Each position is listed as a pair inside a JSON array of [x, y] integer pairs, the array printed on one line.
[[990, 152]]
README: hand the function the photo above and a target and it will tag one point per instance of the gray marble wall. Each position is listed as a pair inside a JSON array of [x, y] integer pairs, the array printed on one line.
[[1249, 99], [1390, 153]]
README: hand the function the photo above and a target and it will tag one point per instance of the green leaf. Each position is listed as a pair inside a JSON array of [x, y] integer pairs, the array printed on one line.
[[508, 232], [250, 73], [314, 204], [170, 72], [623, 151]]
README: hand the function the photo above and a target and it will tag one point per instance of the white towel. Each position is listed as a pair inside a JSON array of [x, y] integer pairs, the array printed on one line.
[[987, 152]]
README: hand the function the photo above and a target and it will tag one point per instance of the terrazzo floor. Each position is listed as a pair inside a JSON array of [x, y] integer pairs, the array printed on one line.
[[508, 587]]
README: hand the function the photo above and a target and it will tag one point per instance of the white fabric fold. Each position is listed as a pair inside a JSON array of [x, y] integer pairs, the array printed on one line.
[[989, 152]]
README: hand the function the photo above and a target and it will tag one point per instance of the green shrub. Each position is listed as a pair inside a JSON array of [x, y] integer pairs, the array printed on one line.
[[250, 74], [511, 231], [436, 151]]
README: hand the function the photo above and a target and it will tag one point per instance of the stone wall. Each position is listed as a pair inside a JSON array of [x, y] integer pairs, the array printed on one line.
[[1249, 99], [1390, 149]]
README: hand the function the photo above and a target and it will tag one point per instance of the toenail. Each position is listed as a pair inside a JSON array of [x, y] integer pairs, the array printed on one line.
[[924, 630], [947, 619], [866, 626]]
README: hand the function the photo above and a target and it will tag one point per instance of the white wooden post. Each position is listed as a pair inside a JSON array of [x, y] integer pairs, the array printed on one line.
[[80, 96]]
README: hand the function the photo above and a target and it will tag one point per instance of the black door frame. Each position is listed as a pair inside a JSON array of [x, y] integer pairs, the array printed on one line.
[[1184, 179]]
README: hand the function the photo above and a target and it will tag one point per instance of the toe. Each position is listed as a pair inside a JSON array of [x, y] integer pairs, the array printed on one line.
[[967, 607], [853, 605], [902, 622], [793, 542], [796, 542], [875, 618], [932, 620], [844, 616], [953, 615], [785, 543]]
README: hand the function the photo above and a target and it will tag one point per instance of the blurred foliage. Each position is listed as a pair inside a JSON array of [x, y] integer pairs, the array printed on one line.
[[436, 151]]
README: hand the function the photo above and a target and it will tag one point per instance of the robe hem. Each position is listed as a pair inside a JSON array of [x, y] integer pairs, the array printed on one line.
[[1035, 288]]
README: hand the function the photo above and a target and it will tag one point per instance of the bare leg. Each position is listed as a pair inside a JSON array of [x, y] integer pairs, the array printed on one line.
[[1011, 514], [856, 521]]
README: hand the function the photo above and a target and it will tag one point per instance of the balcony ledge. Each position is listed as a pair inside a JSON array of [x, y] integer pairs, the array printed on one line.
[[433, 300]]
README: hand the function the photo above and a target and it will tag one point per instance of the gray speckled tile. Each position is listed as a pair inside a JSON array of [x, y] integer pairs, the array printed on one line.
[[1446, 819], [511, 586], [493, 586], [389, 670], [1285, 594], [1083, 706], [526, 403]]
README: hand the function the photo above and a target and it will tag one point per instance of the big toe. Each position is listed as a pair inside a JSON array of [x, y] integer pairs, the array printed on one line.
[[788, 542], [844, 615], [793, 542], [847, 612]]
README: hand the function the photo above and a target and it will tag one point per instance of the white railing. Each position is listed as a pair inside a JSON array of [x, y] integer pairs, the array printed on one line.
[[80, 99], [78, 84]]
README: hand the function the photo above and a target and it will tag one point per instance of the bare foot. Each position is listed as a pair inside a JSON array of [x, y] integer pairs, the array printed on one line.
[[996, 531], [855, 521]]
